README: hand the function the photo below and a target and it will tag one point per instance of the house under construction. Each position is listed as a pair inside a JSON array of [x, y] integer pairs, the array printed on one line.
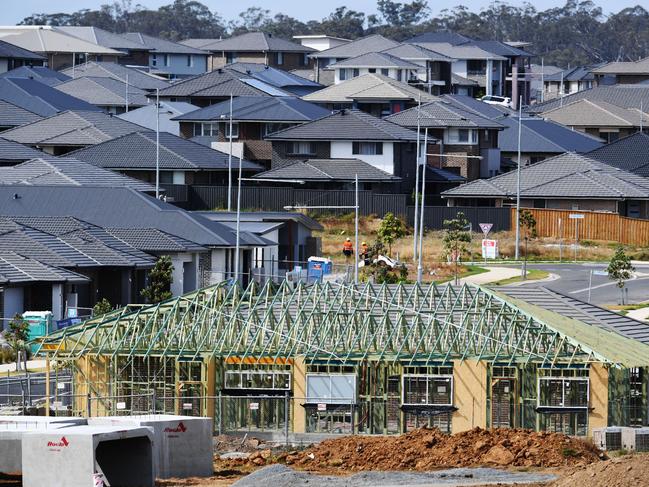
[[367, 358]]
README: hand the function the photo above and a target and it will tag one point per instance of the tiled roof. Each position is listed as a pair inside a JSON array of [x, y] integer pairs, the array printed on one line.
[[585, 312], [629, 154], [441, 114], [273, 76], [40, 98], [499, 48], [579, 73], [543, 136], [330, 170], [568, 175], [375, 60], [372, 43], [16, 269], [14, 116], [104, 91], [260, 108], [457, 80], [347, 125], [462, 51], [15, 152], [46, 40], [53, 171], [218, 83], [369, 87], [415, 52], [102, 37], [103, 69], [624, 96], [154, 240], [41, 74], [586, 113], [147, 117], [249, 42], [72, 128], [631, 67], [8, 50], [118, 208], [138, 151], [446, 36], [158, 45]]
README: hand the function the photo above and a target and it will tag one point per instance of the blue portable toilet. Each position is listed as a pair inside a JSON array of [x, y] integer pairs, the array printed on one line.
[[318, 268], [40, 324]]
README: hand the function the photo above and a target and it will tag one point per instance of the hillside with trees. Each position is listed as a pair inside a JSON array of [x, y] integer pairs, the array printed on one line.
[[577, 33]]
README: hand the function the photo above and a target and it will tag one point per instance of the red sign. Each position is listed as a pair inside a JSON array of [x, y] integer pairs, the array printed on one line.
[[178, 429], [63, 442]]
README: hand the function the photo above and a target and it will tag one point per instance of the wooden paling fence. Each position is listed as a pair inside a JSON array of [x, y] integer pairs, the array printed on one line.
[[593, 226]]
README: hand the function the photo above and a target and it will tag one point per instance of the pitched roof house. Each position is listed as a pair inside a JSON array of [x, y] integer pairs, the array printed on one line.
[[12, 57], [41, 74], [112, 95], [135, 77]]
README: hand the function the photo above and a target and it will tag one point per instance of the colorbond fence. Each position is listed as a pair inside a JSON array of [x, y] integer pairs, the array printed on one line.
[[593, 226], [434, 216]]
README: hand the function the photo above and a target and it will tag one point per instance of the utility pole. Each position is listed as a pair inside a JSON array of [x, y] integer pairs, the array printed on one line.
[[542, 80], [414, 239], [237, 249], [518, 181], [126, 103], [230, 161], [157, 143]]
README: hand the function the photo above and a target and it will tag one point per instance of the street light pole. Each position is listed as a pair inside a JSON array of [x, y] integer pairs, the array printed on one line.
[[420, 268], [356, 229], [518, 181], [237, 248], [157, 143], [230, 161], [414, 239]]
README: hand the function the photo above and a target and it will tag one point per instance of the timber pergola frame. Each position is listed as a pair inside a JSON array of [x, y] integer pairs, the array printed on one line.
[[334, 323]]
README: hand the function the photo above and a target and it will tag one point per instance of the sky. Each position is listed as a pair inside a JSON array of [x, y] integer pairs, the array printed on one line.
[[13, 11]]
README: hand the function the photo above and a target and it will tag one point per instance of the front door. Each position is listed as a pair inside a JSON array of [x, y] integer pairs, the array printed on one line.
[[503, 403]]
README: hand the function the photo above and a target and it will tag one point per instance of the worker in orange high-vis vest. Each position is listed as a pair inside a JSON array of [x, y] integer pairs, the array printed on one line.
[[364, 253], [348, 248]]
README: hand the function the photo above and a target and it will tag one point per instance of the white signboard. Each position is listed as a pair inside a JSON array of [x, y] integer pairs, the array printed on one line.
[[254, 406], [486, 228], [576, 216], [121, 405], [489, 249], [188, 406], [60, 385], [322, 407]]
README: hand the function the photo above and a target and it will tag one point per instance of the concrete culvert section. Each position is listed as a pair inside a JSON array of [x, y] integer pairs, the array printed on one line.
[[73, 456], [182, 444]]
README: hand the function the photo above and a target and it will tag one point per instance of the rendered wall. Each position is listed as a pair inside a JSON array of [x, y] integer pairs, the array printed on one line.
[[469, 395], [598, 415]]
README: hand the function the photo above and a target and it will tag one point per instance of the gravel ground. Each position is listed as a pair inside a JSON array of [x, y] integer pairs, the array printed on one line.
[[283, 476]]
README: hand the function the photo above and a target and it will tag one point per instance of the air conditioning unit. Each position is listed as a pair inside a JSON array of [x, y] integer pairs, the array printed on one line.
[[609, 439], [635, 439]]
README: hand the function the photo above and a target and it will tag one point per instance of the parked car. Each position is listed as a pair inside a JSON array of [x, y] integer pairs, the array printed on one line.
[[497, 100]]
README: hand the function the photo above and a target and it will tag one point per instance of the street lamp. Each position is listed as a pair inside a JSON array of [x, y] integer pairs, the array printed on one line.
[[355, 208]]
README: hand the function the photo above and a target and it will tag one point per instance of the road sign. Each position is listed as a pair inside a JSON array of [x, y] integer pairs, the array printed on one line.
[[576, 216], [486, 228], [489, 249]]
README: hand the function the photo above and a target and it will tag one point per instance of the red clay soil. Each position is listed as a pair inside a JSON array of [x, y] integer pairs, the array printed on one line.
[[429, 449], [627, 471]]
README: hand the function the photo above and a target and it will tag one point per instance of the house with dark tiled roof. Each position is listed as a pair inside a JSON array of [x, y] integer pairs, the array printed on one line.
[[622, 72], [630, 154], [14, 116], [460, 141], [253, 47], [124, 74], [12, 57], [568, 81], [181, 162], [70, 130], [568, 181], [12, 153], [111, 95], [41, 74], [348, 135], [170, 59], [253, 118], [284, 80], [161, 116]]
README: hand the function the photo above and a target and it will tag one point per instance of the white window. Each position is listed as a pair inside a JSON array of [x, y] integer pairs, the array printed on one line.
[[342, 74], [279, 58], [331, 388], [257, 379], [427, 390], [367, 148], [206, 129], [563, 392], [461, 136], [166, 59], [301, 148], [235, 130]]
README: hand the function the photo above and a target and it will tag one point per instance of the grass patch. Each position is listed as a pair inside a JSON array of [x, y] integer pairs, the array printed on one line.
[[532, 275], [628, 307]]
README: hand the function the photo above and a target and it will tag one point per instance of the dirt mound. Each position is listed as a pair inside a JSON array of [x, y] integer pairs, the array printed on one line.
[[627, 471], [428, 449]]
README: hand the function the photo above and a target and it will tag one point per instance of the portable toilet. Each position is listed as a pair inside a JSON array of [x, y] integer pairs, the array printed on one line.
[[318, 268], [40, 324]]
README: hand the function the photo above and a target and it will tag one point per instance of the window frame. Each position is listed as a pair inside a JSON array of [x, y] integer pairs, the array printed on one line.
[[213, 132], [331, 400], [357, 144], [243, 378], [564, 381], [235, 130], [292, 152], [448, 378], [472, 138]]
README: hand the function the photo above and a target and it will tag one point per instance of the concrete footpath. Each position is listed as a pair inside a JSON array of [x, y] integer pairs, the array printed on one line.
[[493, 275], [641, 314]]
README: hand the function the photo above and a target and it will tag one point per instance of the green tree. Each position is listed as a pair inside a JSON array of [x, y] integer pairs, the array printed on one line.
[[527, 224], [390, 230], [160, 279], [456, 238], [620, 269], [16, 336], [101, 307]]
